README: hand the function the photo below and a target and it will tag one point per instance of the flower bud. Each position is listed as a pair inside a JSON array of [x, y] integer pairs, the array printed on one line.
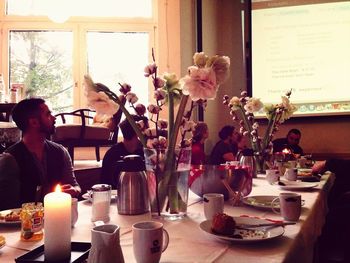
[[154, 109], [158, 83], [159, 94], [150, 69], [131, 97], [124, 88], [140, 109]]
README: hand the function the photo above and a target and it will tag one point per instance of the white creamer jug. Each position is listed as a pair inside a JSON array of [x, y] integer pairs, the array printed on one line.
[[105, 245]]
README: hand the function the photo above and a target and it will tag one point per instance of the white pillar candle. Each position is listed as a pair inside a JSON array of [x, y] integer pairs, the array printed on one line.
[[57, 225]]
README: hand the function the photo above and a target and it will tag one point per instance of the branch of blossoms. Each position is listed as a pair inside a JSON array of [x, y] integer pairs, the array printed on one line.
[[242, 109]]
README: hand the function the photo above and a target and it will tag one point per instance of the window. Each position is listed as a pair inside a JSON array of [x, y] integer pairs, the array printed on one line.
[[109, 39]]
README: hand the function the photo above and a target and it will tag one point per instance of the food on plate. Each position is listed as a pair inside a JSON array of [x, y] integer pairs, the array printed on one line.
[[2, 241], [10, 216], [223, 224], [304, 173]]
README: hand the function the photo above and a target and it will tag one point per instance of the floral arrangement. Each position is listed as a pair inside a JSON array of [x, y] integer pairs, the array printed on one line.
[[199, 85], [242, 109]]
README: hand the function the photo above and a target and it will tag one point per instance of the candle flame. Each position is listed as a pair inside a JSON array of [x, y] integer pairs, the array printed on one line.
[[58, 188], [286, 151]]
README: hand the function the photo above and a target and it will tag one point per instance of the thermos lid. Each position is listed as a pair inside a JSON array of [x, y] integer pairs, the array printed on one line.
[[101, 187], [133, 163]]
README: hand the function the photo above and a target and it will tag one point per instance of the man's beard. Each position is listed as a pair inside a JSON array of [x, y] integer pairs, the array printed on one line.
[[47, 130]]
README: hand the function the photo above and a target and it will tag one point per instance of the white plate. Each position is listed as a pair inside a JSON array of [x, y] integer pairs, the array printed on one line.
[[297, 185], [5, 212], [260, 201], [267, 233], [87, 195]]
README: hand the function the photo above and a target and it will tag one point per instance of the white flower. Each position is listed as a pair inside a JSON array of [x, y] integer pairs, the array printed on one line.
[[253, 105], [100, 102], [200, 59], [235, 102]]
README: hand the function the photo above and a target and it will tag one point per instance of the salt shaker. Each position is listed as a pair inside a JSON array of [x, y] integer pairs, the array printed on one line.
[[101, 201]]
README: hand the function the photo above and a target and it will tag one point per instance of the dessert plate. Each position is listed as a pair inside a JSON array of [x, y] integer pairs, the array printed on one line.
[[257, 234], [296, 185], [3, 213], [260, 201], [87, 195]]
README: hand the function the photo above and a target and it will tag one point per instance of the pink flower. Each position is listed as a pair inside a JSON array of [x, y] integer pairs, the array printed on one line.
[[200, 83], [150, 69]]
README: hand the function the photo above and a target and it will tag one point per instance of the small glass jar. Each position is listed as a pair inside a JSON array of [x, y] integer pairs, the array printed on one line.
[[101, 202], [32, 221]]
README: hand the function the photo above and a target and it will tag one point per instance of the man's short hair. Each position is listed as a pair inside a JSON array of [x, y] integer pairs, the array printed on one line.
[[295, 131], [24, 110], [226, 131]]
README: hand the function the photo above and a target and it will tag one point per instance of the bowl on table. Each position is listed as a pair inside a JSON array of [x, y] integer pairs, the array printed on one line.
[[208, 179]]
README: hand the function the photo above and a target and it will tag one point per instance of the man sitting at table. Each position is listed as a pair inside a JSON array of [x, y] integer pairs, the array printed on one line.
[[33, 166], [130, 145], [291, 142]]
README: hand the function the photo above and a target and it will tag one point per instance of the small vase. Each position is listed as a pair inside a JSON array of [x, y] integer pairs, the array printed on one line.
[[167, 179]]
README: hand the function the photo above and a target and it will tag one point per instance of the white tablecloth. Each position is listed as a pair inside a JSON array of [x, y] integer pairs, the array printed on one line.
[[190, 244]]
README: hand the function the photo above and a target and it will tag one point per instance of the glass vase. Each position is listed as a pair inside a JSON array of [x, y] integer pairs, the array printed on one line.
[[167, 179]]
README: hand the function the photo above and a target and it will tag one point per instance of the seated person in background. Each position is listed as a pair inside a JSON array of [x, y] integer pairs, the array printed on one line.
[[34, 162], [130, 145], [336, 231], [241, 142], [200, 134], [225, 149], [290, 142]]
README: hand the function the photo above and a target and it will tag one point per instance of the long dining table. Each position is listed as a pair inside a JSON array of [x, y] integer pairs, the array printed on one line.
[[188, 243]]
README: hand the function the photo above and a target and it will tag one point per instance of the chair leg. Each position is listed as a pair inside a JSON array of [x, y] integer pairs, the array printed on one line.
[[97, 152], [71, 153]]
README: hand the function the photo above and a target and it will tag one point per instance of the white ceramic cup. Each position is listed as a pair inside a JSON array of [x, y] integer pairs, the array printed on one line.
[[272, 175], [213, 204], [150, 239], [74, 216], [291, 174], [290, 206]]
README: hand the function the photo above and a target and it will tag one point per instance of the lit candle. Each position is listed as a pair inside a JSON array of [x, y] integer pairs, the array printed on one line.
[[57, 225]]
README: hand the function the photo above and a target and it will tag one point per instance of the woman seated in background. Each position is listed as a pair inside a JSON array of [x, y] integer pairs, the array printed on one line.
[[200, 134], [226, 149]]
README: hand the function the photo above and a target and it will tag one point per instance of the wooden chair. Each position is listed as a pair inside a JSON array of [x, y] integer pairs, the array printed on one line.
[[84, 133]]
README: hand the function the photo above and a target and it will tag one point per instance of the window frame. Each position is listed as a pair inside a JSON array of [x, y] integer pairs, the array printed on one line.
[[79, 26]]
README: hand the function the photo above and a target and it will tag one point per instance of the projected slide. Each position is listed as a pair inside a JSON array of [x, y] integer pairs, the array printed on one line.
[[303, 46]]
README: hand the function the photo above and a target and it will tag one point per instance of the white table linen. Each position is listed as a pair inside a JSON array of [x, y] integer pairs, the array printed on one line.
[[190, 244]]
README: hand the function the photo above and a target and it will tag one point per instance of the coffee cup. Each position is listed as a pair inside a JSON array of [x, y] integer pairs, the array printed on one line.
[[289, 204], [74, 217], [272, 175], [150, 239], [213, 204], [291, 174]]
